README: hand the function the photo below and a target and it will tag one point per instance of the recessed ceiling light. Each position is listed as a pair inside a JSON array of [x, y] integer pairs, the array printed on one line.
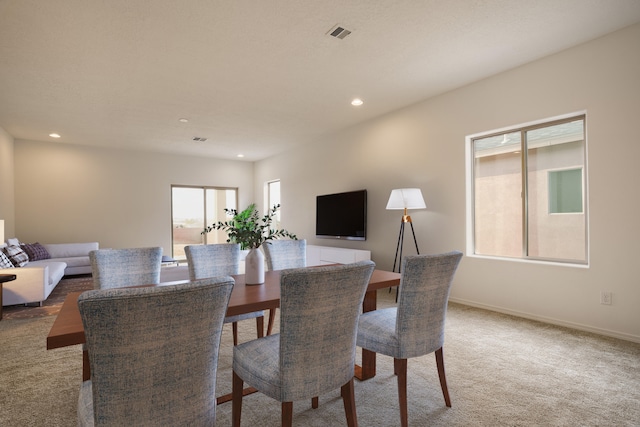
[[240, 155], [357, 102], [54, 135], [183, 120]]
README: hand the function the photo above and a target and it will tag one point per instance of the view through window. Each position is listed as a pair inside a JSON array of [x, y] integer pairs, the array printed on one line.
[[194, 208], [529, 187], [273, 198]]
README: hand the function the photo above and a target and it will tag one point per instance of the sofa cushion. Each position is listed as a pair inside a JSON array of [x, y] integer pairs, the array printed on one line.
[[76, 261], [35, 251], [4, 261], [18, 257], [56, 270], [66, 250]]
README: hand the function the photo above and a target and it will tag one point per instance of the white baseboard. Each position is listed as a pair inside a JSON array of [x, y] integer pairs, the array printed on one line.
[[550, 320]]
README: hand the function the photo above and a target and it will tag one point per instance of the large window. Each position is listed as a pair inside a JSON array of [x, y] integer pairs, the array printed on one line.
[[528, 189], [192, 209]]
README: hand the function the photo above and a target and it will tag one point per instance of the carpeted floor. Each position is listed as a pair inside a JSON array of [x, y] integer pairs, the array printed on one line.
[[502, 371]]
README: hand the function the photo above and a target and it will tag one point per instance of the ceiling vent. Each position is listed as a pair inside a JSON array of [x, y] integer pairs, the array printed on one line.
[[199, 139], [339, 32]]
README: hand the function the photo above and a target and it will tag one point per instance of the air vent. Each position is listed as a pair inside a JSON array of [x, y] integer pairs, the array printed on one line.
[[199, 139], [339, 32]]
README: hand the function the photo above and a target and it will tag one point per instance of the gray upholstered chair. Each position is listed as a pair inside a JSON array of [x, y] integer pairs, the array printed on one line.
[[117, 268], [153, 353], [297, 363], [281, 254], [220, 260], [416, 326]]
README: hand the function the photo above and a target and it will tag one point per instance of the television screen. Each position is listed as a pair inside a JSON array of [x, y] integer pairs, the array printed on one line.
[[342, 215]]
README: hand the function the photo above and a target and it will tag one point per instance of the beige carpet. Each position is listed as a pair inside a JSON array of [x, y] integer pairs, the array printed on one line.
[[502, 371]]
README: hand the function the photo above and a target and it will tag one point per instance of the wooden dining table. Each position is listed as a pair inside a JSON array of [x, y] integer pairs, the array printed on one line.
[[67, 329]]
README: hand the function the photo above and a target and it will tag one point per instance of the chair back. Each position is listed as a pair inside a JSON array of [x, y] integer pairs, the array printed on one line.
[[422, 302], [116, 268], [153, 353], [221, 259], [281, 254], [319, 310]]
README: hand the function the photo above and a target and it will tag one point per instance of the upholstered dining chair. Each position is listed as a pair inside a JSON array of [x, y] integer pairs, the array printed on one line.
[[220, 260], [297, 363], [281, 254], [153, 353], [117, 268], [416, 326]]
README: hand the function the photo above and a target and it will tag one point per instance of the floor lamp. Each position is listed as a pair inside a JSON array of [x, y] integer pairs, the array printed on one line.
[[403, 199]]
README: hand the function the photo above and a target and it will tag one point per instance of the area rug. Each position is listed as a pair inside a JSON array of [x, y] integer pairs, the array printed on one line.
[[51, 305]]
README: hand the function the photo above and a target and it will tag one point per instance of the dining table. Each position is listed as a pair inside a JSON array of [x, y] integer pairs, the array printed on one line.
[[67, 329]]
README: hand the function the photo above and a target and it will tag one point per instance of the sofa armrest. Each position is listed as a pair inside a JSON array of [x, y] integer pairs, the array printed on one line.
[[29, 285]]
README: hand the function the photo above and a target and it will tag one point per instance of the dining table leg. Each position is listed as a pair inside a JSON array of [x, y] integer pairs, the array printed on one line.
[[368, 368], [86, 369]]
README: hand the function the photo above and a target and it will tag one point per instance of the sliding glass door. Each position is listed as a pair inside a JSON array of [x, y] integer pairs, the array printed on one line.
[[192, 209]]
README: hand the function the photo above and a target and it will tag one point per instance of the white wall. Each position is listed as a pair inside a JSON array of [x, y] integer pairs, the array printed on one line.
[[67, 193], [6, 182], [424, 146]]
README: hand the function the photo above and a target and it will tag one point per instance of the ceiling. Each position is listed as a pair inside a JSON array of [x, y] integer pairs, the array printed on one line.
[[259, 77]]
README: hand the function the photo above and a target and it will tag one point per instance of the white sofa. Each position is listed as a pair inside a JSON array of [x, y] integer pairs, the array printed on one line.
[[37, 279]]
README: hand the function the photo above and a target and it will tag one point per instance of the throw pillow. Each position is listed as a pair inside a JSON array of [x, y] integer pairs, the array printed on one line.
[[13, 242], [4, 261], [35, 251], [18, 257]]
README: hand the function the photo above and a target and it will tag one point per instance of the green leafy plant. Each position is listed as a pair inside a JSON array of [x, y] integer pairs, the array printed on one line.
[[248, 229]]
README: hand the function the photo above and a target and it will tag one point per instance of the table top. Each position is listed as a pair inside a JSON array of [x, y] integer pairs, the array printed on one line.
[[67, 329]]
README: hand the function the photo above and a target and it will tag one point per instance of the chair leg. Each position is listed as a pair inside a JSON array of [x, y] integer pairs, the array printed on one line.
[[287, 414], [260, 326], [234, 327], [349, 399], [236, 402], [272, 318], [400, 368], [443, 378]]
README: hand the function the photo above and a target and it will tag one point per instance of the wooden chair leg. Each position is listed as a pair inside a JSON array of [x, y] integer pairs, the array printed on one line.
[[349, 399], [234, 327], [400, 368], [287, 414], [236, 399], [272, 318], [443, 378], [260, 326], [315, 402]]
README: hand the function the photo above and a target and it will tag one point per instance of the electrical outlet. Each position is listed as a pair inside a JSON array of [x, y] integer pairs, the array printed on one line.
[[605, 298]]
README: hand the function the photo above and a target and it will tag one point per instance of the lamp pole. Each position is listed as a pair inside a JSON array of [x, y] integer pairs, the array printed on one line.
[[405, 219]]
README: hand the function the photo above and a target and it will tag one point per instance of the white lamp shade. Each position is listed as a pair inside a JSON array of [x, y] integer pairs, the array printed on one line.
[[406, 198], [1, 231]]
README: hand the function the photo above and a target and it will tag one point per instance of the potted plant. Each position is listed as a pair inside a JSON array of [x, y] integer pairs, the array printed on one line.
[[250, 230]]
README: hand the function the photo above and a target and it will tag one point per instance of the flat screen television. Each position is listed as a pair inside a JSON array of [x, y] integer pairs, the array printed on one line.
[[342, 215]]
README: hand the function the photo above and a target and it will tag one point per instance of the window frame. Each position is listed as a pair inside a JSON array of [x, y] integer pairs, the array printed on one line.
[[470, 190]]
